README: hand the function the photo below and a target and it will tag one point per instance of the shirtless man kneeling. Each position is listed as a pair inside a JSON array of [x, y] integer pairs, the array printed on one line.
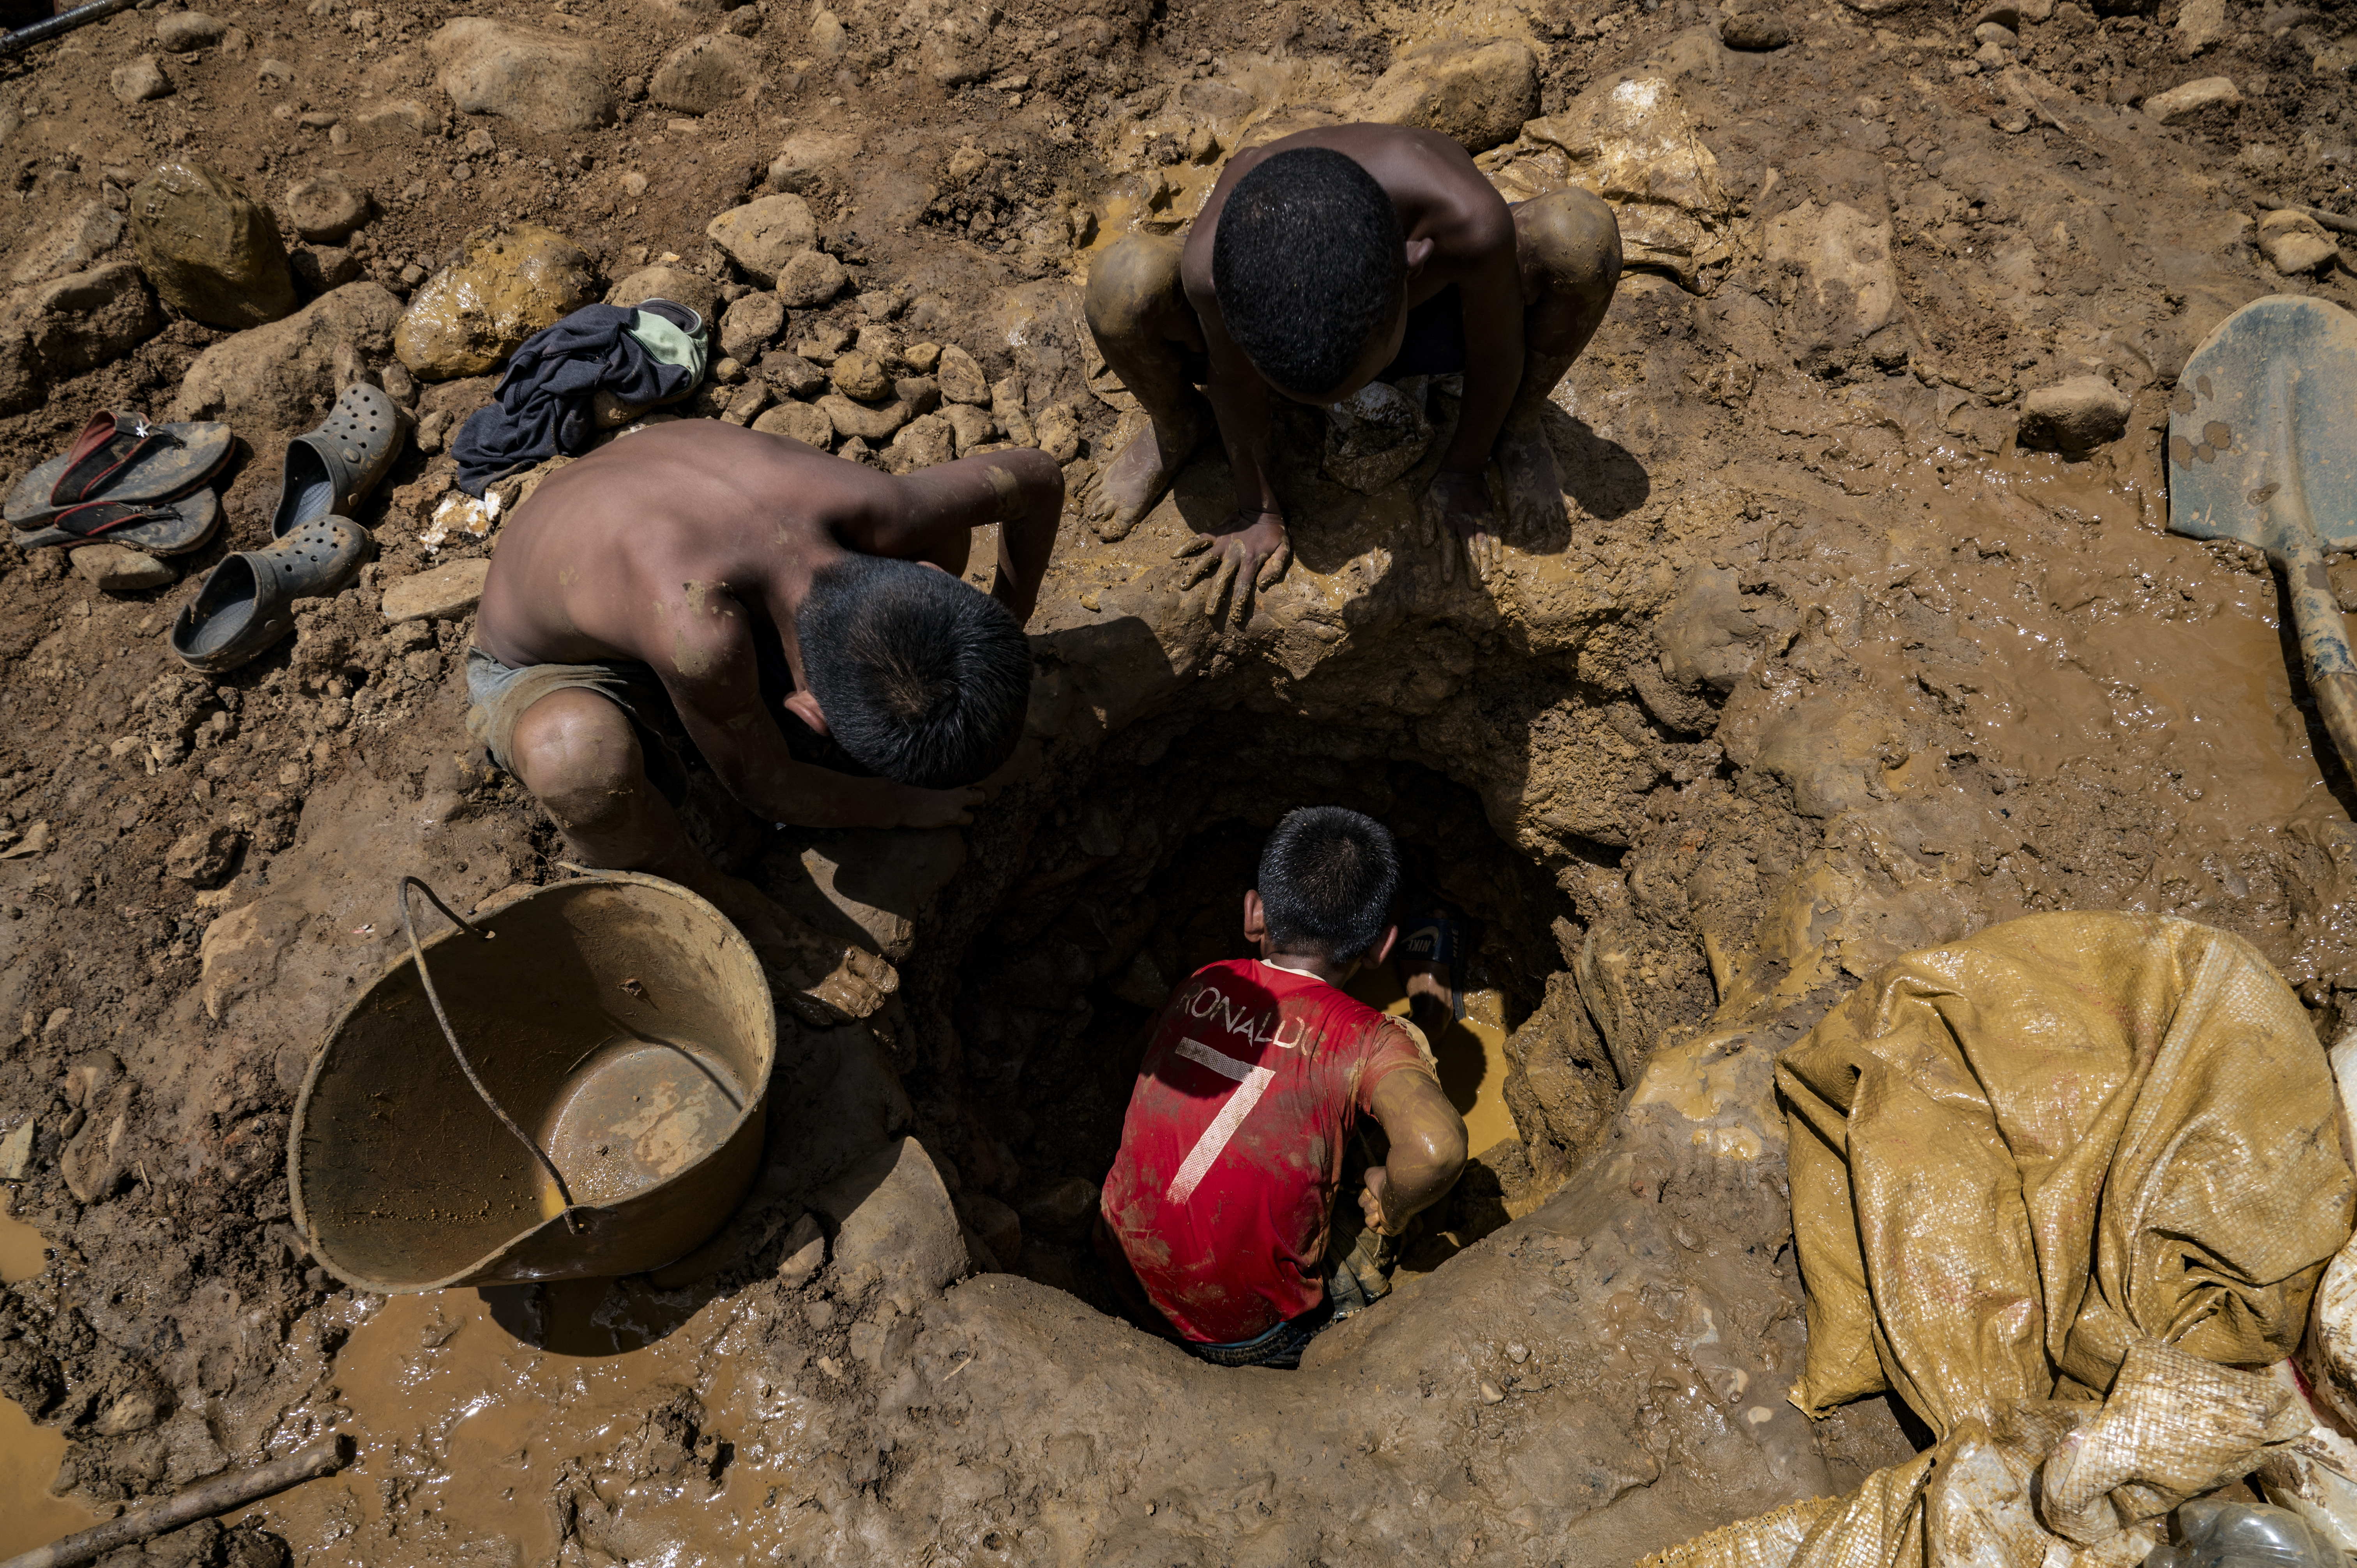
[[696, 585], [1322, 262]]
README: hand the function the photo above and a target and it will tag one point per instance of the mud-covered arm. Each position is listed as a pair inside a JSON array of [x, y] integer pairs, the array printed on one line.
[[1427, 1149], [1240, 403], [706, 662], [1021, 491], [1493, 346]]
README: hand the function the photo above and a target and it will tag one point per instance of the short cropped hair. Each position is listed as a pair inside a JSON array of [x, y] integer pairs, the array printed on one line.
[[1328, 877], [920, 678], [1309, 261]]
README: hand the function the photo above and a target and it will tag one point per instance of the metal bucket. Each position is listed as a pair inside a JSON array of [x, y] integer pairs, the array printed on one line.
[[603, 1116]]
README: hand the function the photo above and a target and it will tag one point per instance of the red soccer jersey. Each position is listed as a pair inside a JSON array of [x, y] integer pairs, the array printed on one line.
[[1232, 1147]]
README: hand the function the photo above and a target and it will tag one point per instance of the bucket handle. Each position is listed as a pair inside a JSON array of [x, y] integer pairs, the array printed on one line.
[[417, 955]]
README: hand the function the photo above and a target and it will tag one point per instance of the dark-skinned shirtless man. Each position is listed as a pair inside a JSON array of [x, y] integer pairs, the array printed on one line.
[[1320, 263], [696, 585]]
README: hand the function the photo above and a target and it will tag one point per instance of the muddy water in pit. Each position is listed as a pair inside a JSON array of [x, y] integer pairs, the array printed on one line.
[[471, 1427], [1471, 1053], [2108, 649], [29, 1454]]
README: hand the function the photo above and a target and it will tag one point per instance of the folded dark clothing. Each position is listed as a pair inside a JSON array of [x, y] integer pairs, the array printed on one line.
[[543, 404]]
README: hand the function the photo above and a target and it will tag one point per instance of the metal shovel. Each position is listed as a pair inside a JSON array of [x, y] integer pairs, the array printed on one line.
[[2263, 448]]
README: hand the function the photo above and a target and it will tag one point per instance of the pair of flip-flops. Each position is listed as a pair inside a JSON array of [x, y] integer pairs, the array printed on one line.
[[124, 481], [315, 550]]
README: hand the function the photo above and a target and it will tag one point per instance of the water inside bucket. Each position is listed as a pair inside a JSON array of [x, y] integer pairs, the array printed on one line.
[[636, 1111]]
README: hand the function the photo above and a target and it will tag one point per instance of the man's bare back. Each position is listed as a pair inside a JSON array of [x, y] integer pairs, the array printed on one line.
[[1533, 282], [682, 546]]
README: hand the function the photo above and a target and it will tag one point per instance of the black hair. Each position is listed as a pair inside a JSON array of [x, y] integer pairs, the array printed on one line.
[[1308, 264], [920, 678], [1328, 877]]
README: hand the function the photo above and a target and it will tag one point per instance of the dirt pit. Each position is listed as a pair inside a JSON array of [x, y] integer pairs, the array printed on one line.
[[1821, 667]]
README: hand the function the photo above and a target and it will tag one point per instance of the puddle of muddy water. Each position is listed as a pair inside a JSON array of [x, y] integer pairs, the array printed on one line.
[[474, 1420], [2108, 650], [1471, 1053], [29, 1454]]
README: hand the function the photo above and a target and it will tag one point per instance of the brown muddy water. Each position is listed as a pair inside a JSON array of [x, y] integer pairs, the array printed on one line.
[[29, 1454], [2091, 645]]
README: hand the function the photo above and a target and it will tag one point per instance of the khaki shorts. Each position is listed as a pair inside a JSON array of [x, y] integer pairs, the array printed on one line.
[[500, 694]]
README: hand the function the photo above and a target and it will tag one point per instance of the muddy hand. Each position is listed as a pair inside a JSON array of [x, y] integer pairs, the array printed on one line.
[[1370, 1199], [935, 808], [1457, 506], [1250, 550]]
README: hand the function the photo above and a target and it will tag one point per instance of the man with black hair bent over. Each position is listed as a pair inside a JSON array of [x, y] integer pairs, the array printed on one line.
[[699, 586], [1221, 1202], [1322, 262]]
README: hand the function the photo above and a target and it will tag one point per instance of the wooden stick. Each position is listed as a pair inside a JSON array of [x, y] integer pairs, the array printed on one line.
[[2332, 221], [217, 1496]]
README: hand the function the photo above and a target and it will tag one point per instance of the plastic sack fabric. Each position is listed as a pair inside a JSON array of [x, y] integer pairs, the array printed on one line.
[[2051, 1185], [2236, 1535]]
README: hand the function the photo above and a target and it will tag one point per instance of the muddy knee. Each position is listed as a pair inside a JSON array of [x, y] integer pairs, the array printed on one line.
[[1571, 242], [1132, 287], [578, 754]]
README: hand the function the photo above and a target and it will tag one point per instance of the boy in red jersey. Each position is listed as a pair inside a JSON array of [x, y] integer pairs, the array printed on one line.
[[1222, 1198]]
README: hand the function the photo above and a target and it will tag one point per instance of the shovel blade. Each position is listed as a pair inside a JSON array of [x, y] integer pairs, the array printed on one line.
[[2264, 428]]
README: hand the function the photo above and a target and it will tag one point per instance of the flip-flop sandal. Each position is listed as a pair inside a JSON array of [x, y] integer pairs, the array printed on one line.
[[167, 528], [1434, 937], [332, 470], [120, 457], [248, 602]]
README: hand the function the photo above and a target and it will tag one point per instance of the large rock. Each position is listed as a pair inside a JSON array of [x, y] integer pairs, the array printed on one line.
[[873, 424], [762, 236], [803, 421], [808, 157], [2294, 242], [115, 570], [1476, 91], [139, 80], [326, 209], [282, 376], [547, 82], [1755, 30], [177, 32], [509, 281], [89, 233], [2075, 416], [92, 318], [810, 279], [960, 378], [1634, 142], [751, 325], [957, 42], [705, 73], [446, 592], [2191, 98], [694, 290], [894, 1215], [213, 251]]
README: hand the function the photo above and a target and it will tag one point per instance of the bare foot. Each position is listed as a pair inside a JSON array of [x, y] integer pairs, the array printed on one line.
[[1535, 509], [1124, 490]]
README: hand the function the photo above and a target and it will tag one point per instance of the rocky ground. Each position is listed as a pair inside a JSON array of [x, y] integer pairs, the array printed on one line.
[[1837, 656]]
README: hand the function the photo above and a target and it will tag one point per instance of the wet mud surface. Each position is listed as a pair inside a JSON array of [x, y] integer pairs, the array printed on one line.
[[1822, 665]]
